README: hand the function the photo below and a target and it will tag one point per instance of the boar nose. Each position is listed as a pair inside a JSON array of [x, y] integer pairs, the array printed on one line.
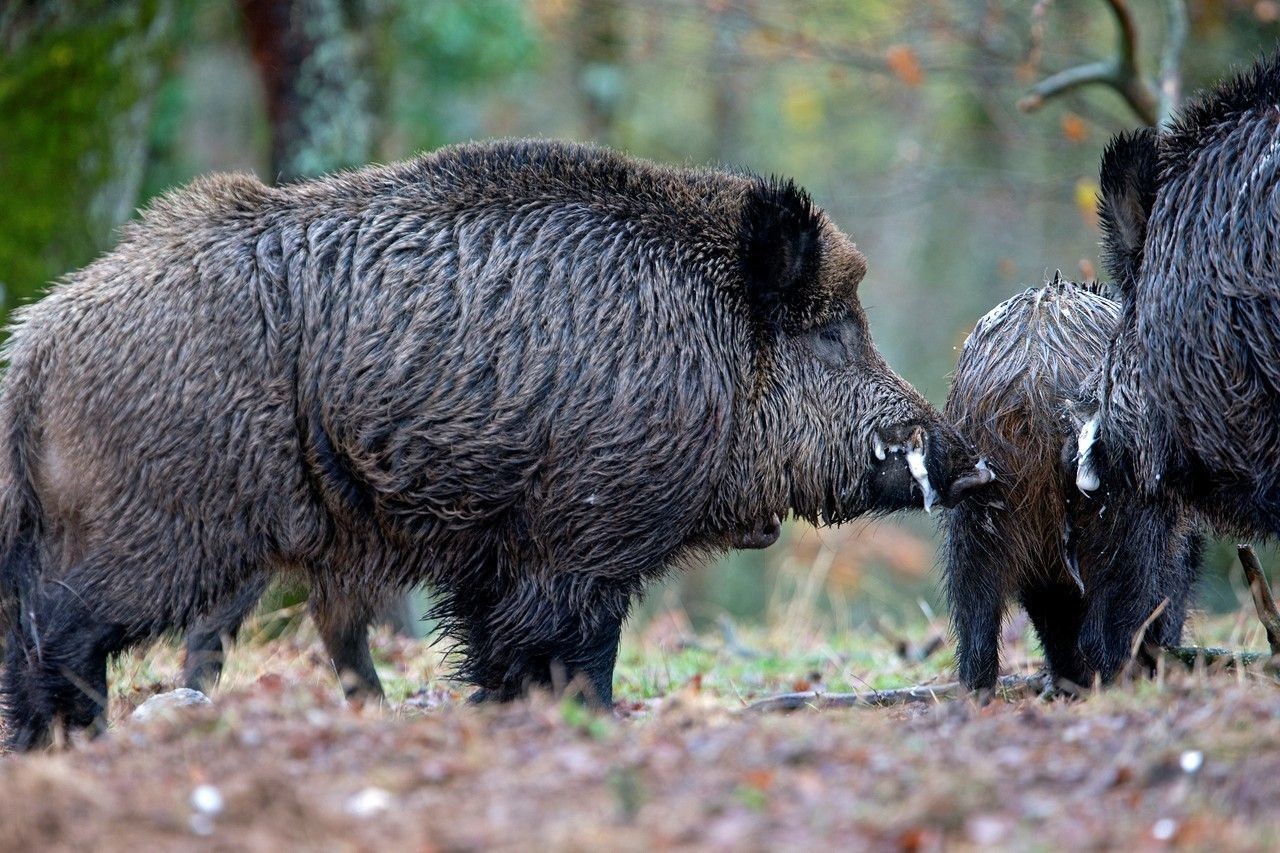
[[980, 476]]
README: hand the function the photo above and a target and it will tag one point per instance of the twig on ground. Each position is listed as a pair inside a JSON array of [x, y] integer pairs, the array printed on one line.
[[1010, 687], [1210, 656]]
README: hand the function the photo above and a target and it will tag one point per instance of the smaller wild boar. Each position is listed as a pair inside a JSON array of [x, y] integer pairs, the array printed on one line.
[[1089, 572], [534, 376]]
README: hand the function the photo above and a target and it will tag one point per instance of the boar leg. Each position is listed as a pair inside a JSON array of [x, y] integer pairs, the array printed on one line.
[[1179, 584], [344, 628], [975, 589], [549, 636], [1057, 612], [206, 640]]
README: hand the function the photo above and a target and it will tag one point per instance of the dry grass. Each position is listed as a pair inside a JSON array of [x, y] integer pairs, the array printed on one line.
[[675, 767]]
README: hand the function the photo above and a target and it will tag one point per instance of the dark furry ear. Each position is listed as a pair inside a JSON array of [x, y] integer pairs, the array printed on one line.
[[781, 254], [1130, 177]]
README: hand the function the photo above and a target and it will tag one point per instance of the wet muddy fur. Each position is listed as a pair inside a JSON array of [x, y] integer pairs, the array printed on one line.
[[531, 375], [1089, 571], [1194, 240]]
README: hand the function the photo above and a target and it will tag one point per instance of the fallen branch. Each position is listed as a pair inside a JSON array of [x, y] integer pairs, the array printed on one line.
[[1192, 655], [1010, 687]]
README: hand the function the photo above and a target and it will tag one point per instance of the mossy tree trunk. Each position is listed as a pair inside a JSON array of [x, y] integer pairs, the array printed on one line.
[[76, 87], [313, 58]]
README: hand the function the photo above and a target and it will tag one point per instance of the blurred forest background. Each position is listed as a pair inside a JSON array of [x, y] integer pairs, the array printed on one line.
[[903, 120]]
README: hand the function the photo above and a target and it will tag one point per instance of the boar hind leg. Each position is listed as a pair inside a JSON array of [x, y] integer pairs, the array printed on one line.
[[1057, 612], [207, 638], [56, 668], [344, 628], [975, 589], [560, 636]]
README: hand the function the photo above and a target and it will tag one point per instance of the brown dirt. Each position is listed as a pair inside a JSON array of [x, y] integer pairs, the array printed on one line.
[[294, 767]]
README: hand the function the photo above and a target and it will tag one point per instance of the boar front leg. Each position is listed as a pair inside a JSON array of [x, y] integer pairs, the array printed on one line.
[[1057, 612], [976, 591], [558, 635]]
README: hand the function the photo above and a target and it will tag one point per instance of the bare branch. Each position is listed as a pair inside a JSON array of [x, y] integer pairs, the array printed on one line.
[[1120, 73], [1260, 589]]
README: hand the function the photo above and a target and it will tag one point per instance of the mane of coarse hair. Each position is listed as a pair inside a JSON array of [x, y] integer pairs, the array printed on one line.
[[1219, 108]]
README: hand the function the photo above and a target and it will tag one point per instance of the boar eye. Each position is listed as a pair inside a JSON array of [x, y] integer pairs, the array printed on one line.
[[831, 344]]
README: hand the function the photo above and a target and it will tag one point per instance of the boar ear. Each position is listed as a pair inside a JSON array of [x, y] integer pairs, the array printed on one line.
[[1130, 176], [781, 250]]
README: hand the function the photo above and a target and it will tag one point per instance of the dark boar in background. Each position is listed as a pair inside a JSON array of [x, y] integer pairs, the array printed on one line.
[[534, 375], [1197, 235], [1088, 571]]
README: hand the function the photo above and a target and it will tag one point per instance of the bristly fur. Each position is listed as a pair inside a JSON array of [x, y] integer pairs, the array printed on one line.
[[781, 255], [525, 373], [1129, 178], [1197, 348], [1214, 112], [1032, 537]]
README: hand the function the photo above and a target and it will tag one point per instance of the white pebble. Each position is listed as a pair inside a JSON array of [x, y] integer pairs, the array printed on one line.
[[166, 704], [369, 802], [207, 799], [1164, 829], [1191, 760]]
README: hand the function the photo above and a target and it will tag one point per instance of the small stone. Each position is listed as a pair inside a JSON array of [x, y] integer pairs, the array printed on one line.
[[207, 799], [986, 830], [1191, 760], [1164, 829], [368, 802], [165, 704]]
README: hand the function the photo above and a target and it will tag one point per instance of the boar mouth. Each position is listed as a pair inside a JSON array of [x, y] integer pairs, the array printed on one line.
[[931, 483], [762, 534]]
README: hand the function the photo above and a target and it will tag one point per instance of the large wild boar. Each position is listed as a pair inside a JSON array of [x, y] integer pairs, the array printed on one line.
[[1198, 235], [1089, 570], [533, 375]]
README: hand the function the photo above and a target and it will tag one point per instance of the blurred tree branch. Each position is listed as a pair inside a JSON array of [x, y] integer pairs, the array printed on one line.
[[1154, 105]]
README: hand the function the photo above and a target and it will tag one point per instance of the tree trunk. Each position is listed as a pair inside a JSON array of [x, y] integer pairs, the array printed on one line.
[[312, 59]]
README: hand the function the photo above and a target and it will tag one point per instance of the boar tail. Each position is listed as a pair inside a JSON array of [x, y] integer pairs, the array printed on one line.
[[20, 515]]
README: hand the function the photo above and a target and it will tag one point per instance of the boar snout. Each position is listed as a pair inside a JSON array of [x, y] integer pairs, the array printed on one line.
[[918, 465], [762, 534]]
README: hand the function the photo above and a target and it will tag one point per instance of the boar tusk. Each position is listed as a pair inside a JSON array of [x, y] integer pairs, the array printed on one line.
[[915, 461], [1086, 476]]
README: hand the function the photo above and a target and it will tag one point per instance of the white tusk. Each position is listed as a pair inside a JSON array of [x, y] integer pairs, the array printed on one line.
[[915, 462], [1086, 477], [878, 446]]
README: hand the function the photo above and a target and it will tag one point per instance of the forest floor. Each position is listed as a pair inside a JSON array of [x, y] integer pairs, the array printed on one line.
[[1189, 758]]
